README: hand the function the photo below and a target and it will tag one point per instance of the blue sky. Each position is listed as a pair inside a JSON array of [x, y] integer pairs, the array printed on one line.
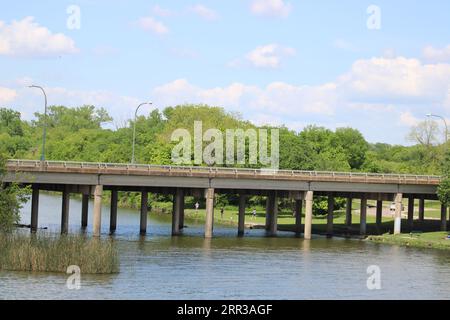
[[274, 61]]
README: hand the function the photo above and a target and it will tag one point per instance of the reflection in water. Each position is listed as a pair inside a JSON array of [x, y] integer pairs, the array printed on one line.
[[159, 266]]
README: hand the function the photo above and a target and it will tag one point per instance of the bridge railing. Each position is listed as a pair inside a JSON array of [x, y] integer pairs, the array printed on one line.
[[123, 168]]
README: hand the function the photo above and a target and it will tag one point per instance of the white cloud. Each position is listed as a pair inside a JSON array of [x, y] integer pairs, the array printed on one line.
[[267, 56], [432, 54], [7, 95], [344, 45], [162, 12], [152, 25], [271, 8], [407, 119], [204, 12], [26, 38]]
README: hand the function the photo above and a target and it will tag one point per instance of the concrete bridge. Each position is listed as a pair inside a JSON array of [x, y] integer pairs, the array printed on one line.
[[91, 179]]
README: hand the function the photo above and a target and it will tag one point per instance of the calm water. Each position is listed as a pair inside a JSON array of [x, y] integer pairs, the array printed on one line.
[[226, 267]]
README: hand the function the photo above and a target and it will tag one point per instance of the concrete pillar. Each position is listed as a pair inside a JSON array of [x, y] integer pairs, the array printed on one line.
[[443, 218], [144, 212], [398, 213], [421, 209], [182, 213], [410, 213], [308, 214], [84, 210], [379, 214], [65, 210], [97, 214], [241, 224], [113, 213], [274, 216], [363, 216], [34, 209], [209, 221], [330, 214], [348, 212], [176, 214], [269, 209], [298, 216]]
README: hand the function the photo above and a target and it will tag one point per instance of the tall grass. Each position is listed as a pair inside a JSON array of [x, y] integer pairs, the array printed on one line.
[[50, 253]]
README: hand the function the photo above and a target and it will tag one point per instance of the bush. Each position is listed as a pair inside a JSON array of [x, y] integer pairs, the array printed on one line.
[[12, 197]]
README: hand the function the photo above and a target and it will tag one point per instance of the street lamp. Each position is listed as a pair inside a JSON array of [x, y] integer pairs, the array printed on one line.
[[134, 127], [445, 123], [44, 132]]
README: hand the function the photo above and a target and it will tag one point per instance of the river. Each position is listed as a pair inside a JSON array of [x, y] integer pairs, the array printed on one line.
[[254, 267]]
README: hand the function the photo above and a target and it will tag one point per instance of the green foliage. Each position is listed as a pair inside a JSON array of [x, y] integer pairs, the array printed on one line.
[[11, 200], [443, 191], [320, 205]]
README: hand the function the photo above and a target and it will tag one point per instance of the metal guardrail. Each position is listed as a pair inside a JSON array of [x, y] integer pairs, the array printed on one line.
[[121, 168]]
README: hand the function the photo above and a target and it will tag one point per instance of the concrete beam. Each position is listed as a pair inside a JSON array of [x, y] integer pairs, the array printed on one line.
[[330, 217], [209, 221], [274, 217], [308, 214], [178, 199], [421, 209], [348, 212], [241, 223], [363, 217], [97, 214], [298, 216], [269, 208], [84, 210], [144, 212], [113, 211], [398, 213], [410, 213], [65, 211], [379, 213], [34, 209]]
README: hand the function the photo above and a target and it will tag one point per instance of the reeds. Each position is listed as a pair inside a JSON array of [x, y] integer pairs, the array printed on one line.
[[50, 253]]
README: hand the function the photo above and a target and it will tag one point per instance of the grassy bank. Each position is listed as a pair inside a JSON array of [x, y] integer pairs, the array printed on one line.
[[436, 240], [50, 253]]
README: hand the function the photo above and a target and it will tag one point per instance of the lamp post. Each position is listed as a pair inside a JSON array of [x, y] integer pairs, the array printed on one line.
[[134, 128], [44, 131], [429, 115]]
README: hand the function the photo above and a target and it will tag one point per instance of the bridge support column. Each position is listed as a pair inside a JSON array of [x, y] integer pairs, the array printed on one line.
[[84, 210], [308, 214], [410, 213], [348, 212], [177, 208], [241, 224], [274, 216], [97, 215], [421, 209], [113, 212], [398, 213], [379, 214], [65, 210], [209, 221], [182, 205], [298, 216], [330, 215], [144, 213], [363, 216], [269, 209], [443, 218], [34, 209]]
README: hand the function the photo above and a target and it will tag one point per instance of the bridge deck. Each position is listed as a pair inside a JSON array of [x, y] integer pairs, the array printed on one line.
[[216, 172]]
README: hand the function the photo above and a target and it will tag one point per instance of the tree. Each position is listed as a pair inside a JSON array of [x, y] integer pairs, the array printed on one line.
[[354, 146], [424, 133], [11, 200]]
